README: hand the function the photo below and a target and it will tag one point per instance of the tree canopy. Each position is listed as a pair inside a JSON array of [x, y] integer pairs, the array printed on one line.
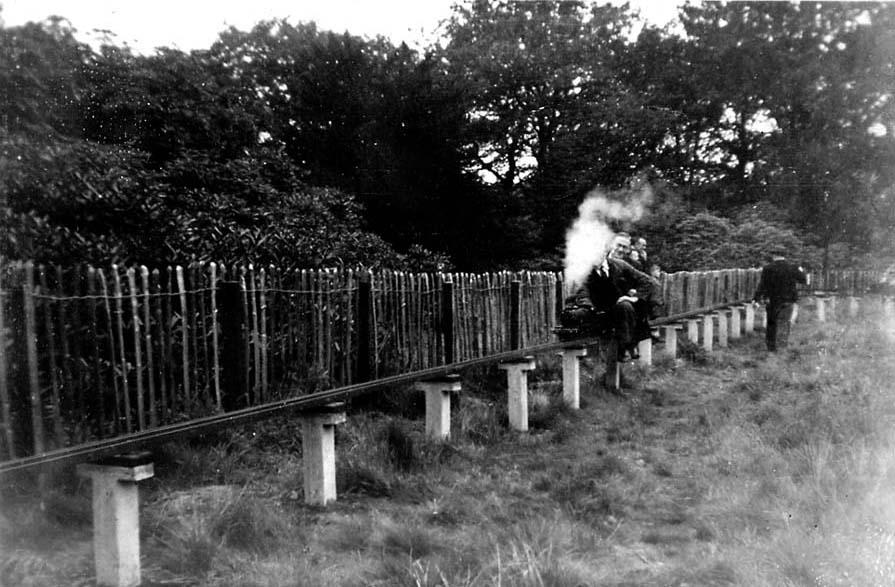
[[755, 123]]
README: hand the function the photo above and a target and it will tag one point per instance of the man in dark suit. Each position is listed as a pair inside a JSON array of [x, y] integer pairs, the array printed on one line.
[[617, 288], [778, 286]]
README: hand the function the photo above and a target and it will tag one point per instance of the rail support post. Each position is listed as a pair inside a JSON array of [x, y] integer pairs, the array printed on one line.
[[517, 391], [116, 516], [736, 327], [722, 328], [750, 318], [645, 350], [708, 336], [887, 305], [438, 404], [318, 447], [821, 308], [853, 306], [571, 375], [693, 330], [671, 339]]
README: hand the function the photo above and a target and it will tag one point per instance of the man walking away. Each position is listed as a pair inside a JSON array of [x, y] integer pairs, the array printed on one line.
[[778, 285]]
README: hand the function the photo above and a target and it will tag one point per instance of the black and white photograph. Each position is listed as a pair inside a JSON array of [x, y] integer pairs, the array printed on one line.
[[447, 293]]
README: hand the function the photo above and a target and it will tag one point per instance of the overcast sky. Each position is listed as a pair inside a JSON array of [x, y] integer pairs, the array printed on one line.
[[188, 24]]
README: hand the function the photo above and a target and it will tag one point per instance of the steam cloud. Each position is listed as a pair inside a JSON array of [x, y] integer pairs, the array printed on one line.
[[590, 237]]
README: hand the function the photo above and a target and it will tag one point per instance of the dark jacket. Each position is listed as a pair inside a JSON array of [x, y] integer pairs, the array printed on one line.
[[779, 282], [604, 291]]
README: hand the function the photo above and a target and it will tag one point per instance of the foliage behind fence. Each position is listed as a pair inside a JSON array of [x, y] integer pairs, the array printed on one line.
[[89, 353]]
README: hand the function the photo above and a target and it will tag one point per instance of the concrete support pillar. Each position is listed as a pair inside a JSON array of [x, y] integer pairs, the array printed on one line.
[[571, 375], [116, 517], [750, 318], [736, 328], [821, 309], [318, 446], [438, 404], [764, 317], [888, 306], [722, 328], [517, 391], [708, 336], [645, 350], [834, 302], [693, 330], [853, 306], [671, 339]]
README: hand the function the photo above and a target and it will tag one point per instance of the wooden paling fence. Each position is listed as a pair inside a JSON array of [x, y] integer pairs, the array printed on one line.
[[89, 353]]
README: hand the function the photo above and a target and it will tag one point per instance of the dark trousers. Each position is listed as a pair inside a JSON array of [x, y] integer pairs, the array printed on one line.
[[624, 322], [777, 332]]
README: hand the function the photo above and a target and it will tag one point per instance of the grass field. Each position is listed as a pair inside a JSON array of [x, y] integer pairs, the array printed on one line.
[[734, 468]]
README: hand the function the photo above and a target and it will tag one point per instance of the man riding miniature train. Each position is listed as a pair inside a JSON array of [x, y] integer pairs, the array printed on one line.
[[624, 295]]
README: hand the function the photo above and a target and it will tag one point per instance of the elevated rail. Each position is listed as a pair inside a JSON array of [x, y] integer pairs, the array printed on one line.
[[148, 438]]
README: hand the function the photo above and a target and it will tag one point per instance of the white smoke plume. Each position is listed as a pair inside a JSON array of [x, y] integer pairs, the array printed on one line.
[[590, 237]]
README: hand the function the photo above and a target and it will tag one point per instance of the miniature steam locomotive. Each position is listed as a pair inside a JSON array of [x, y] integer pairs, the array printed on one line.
[[580, 319]]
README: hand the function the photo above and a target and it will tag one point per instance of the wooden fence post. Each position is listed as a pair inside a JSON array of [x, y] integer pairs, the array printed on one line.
[[447, 318], [516, 315], [37, 426], [560, 297], [231, 319], [364, 326]]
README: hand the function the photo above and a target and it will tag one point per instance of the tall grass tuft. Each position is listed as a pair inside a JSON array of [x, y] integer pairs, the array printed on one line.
[[251, 524]]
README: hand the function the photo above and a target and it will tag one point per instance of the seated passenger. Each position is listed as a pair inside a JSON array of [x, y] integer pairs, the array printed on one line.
[[617, 288]]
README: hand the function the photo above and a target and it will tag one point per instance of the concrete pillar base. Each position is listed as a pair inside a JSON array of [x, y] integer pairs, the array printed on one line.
[[708, 337], [736, 328], [750, 319], [318, 444], [645, 350], [821, 309], [571, 375], [517, 391], [671, 339], [853, 306], [693, 330], [438, 404], [116, 518], [722, 328]]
